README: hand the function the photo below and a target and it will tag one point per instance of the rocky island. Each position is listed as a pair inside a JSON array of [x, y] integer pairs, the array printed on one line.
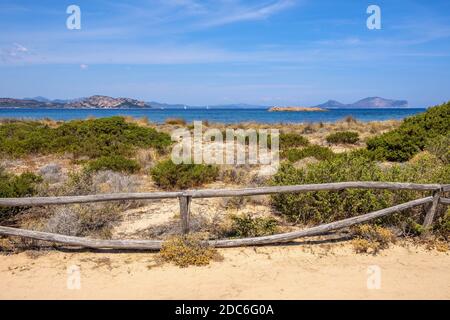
[[297, 109]]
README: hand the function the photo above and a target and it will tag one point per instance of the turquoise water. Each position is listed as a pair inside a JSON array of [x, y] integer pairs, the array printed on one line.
[[215, 115]]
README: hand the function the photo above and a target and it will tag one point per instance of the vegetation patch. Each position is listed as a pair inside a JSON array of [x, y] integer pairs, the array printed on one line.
[[176, 121], [95, 220], [343, 137], [188, 250], [92, 138], [292, 140], [169, 175], [371, 238], [247, 226], [326, 206], [440, 147], [413, 135], [318, 152], [16, 186]]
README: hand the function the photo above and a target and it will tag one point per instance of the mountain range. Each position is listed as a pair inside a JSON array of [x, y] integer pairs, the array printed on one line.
[[105, 102], [371, 102]]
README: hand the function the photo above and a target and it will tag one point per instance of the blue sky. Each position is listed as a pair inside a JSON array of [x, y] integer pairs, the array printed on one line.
[[269, 52]]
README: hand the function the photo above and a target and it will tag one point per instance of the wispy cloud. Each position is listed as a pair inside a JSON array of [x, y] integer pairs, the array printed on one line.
[[242, 13], [190, 15], [13, 53]]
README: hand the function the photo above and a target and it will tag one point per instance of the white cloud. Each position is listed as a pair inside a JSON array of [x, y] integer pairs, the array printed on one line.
[[84, 66]]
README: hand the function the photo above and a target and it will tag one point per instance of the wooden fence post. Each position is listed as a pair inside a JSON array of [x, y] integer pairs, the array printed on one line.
[[185, 213], [431, 212]]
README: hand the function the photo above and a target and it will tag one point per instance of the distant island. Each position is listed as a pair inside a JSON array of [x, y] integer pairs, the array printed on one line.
[[106, 102], [370, 102], [93, 102], [297, 109]]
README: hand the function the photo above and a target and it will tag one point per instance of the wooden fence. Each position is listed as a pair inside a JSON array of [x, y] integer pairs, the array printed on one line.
[[185, 198]]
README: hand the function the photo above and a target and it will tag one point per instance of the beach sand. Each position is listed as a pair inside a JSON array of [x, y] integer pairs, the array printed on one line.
[[303, 271]]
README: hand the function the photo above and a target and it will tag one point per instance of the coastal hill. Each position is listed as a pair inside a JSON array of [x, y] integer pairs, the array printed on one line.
[[371, 102], [105, 102], [93, 102]]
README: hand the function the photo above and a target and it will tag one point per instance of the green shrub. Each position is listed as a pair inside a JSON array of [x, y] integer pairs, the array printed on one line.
[[169, 175], [412, 135], [325, 206], [24, 185], [440, 147], [292, 140], [318, 152], [92, 138], [346, 137], [114, 163], [247, 226], [287, 140]]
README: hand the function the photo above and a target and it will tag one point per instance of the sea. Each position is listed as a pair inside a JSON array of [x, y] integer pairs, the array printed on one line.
[[234, 115]]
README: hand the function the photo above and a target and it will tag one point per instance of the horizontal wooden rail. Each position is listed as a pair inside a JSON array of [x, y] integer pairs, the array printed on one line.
[[156, 244], [444, 200], [321, 229], [214, 193]]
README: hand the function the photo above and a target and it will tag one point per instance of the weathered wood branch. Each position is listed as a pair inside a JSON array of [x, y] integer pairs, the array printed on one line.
[[156, 244], [41, 201], [83, 242], [321, 229], [213, 193], [444, 201], [185, 213], [428, 221]]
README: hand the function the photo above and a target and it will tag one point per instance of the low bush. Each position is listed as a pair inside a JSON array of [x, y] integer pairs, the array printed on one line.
[[85, 182], [16, 186], [169, 175], [96, 220], [92, 138], [440, 147], [188, 250], [344, 137], [292, 140], [318, 152], [114, 163], [247, 226], [325, 206], [412, 135]]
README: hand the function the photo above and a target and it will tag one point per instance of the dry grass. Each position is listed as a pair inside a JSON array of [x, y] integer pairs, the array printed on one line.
[[371, 238], [95, 220], [175, 121], [188, 250]]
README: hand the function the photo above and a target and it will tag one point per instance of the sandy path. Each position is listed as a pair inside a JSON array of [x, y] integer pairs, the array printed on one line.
[[282, 272]]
